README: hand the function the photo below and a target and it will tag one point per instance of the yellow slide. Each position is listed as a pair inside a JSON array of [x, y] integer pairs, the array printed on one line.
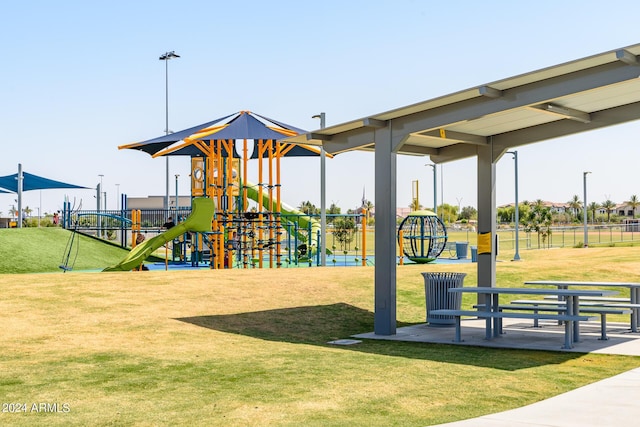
[[202, 211]]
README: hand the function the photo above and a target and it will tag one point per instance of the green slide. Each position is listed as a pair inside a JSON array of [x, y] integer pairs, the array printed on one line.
[[199, 221]]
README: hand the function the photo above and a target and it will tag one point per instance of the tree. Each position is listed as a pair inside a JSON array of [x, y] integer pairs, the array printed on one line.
[[415, 205], [634, 203], [468, 212], [575, 204], [539, 220], [505, 214], [608, 205], [344, 231], [333, 210], [593, 207], [309, 208]]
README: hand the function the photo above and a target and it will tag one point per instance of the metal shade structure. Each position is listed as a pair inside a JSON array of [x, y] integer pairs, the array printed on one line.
[[483, 122], [24, 181]]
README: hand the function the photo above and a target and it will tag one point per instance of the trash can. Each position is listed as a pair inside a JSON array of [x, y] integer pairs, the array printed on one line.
[[436, 289], [474, 254], [461, 250]]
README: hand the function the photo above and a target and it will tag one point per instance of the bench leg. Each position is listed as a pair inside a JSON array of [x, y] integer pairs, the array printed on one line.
[[568, 332], [603, 327], [458, 332], [487, 327]]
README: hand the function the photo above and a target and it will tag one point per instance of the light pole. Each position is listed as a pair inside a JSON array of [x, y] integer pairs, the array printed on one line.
[[177, 176], [584, 208], [323, 200], [435, 189], [459, 205], [118, 197], [442, 190], [99, 195], [166, 57], [516, 256], [99, 204]]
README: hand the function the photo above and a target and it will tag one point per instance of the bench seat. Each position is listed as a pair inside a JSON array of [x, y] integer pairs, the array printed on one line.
[[602, 299], [560, 306], [457, 314]]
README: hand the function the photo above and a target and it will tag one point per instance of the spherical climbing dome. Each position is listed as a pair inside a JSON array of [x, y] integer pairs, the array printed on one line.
[[424, 236]]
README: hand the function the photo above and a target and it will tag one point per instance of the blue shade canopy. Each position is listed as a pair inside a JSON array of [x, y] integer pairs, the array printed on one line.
[[2, 191], [243, 125], [33, 182]]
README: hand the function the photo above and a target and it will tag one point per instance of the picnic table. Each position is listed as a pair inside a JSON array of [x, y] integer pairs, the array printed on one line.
[[493, 314], [634, 293]]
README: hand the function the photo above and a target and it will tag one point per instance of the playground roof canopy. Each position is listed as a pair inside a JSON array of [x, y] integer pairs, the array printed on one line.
[[33, 182], [243, 125]]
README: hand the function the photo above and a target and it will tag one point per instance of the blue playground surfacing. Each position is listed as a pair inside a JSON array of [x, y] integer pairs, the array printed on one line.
[[340, 261]]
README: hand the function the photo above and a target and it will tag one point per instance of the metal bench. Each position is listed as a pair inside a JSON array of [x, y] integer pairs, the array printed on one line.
[[568, 338], [561, 307]]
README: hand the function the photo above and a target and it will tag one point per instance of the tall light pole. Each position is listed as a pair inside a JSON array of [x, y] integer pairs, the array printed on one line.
[[99, 195], [435, 189], [166, 57], [99, 204], [584, 209], [117, 196], [516, 256], [177, 176], [442, 190], [323, 199]]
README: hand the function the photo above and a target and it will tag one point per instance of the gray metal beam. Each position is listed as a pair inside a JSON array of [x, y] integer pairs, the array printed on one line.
[[351, 140], [521, 96], [385, 233], [599, 119], [454, 152]]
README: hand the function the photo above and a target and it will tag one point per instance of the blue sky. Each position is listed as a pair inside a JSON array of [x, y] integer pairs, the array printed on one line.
[[80, 78]]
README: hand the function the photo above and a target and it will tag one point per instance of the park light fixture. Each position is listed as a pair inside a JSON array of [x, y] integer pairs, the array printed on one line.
[[435, 188], [584, 208], [166, 57], [516, 256]]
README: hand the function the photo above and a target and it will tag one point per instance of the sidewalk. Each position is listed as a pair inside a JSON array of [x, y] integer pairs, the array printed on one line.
[[610, 402]]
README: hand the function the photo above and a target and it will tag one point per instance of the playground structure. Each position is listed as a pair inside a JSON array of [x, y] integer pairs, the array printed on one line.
[[249, 224], [422, 236]]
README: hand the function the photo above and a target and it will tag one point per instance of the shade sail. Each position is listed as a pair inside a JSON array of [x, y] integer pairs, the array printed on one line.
[[33, 182]]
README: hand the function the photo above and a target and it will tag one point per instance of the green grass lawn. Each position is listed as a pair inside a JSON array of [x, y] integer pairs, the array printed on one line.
[[249, 347]]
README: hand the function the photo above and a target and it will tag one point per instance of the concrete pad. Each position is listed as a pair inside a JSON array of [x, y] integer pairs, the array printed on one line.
[[521, 334]]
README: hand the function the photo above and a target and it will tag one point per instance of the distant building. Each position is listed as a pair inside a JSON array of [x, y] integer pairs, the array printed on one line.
[[157, 202]]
